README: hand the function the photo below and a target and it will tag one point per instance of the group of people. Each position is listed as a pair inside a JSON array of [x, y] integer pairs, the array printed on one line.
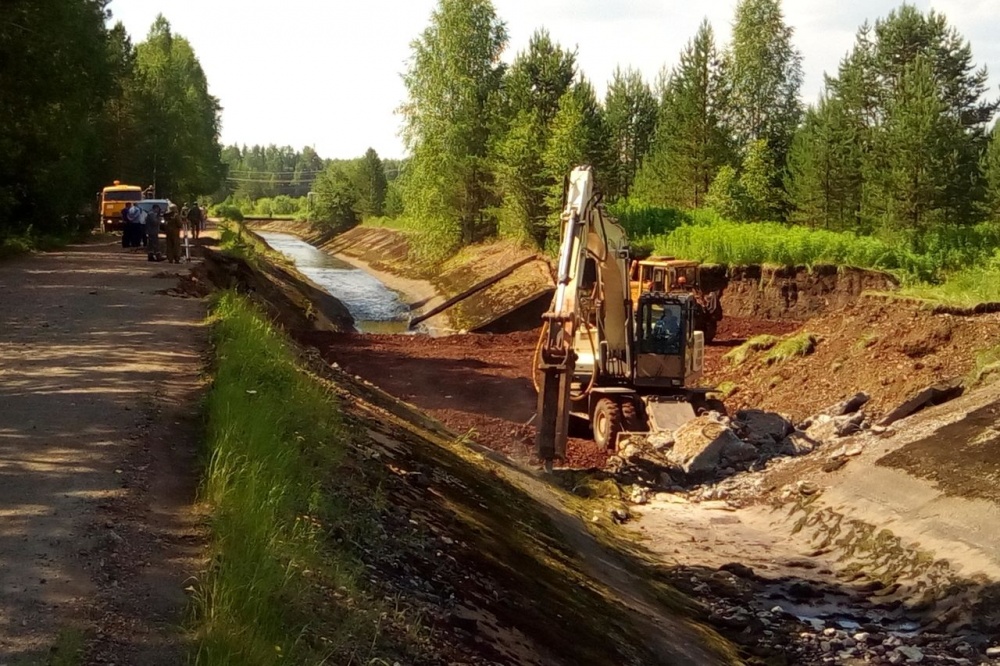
[[142, 228]]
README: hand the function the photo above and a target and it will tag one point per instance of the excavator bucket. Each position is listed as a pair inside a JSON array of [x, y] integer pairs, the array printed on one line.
[[668, 415]]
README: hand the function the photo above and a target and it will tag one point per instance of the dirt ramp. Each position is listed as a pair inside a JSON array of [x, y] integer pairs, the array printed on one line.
[[797, 292]]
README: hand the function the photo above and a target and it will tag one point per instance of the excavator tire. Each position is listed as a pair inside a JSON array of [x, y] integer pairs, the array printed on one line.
[[606, 422]]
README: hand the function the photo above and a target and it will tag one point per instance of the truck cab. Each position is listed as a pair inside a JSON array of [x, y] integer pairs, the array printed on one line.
[[112, 200]]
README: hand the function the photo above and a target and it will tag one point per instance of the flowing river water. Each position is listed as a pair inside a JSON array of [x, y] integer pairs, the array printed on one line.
[[375, 307]]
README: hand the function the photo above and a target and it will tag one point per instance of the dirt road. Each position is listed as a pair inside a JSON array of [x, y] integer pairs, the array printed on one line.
[[98, 378]]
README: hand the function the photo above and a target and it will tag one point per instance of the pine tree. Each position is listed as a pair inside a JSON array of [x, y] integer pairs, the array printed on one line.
[[452, 81], [533, 87], [578, 137], [691, 141], [765, 72], [630, 113], [917, 152], [823, 178], [368, 179], [869, 87], [991, 170]]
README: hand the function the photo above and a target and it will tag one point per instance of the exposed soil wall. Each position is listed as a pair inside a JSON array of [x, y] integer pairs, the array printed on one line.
[[796, 292]]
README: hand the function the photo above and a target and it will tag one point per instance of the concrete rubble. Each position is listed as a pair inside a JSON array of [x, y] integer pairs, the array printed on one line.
[[714, 445]]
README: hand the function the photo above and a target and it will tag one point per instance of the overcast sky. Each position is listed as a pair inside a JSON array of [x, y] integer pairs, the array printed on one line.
[[326, 73]]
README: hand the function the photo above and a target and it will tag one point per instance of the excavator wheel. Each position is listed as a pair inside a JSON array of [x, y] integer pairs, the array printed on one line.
[[606, 422]]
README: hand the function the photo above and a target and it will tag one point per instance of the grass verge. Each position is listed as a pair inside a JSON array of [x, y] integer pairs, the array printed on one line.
[[273, 435], [20, 244], [964, 289], [348, 531]]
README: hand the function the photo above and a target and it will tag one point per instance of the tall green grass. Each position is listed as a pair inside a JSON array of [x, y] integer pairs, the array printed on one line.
[[273, 435], [964, 288], [773, 243]]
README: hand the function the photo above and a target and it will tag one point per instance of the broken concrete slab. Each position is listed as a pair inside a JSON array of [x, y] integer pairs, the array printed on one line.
[[932, 395], [703, 445], [762, 428], [849, 406], [798, 443]]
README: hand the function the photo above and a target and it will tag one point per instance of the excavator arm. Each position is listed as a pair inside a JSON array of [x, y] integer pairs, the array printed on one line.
[[585, 234]]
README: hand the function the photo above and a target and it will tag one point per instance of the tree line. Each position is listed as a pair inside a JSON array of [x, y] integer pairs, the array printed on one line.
[[83, 105], [338, 193], [899, 143]]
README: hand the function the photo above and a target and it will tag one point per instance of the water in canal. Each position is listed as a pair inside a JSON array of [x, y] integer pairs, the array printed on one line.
[[375, 307]]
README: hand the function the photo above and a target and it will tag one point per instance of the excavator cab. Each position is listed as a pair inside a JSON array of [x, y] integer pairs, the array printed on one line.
[[669, 351]]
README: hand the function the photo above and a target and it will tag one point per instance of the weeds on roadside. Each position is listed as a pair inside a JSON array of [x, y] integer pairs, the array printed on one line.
[[273, 436]]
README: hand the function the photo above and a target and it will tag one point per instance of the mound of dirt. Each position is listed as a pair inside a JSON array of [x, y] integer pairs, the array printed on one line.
[[887, 348]]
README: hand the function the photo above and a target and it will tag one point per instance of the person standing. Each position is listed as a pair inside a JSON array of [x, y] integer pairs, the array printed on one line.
[[173, 222], [194, 219], [153, 219], [132, 226]]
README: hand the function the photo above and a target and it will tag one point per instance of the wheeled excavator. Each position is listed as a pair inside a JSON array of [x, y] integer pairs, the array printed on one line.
[[621, 366]]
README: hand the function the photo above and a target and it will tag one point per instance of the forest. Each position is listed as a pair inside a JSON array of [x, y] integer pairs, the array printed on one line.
[[895, 166], [83, 106]]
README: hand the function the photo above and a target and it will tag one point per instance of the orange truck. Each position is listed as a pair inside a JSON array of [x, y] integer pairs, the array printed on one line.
[[112, 200]]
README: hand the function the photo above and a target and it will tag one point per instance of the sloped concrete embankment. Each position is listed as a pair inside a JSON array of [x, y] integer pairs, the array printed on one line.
[[285, 294], [495, 287]]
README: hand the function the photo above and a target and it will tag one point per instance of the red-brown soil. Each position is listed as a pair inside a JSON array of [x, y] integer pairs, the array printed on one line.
[[889, 348], [481, 384], [475, 384]]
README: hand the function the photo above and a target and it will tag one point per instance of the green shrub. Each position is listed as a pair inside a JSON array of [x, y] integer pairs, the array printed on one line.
[[801, 344], [742, 353]]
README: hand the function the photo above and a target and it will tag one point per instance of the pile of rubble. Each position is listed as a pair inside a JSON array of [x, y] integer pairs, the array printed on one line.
[[716, 446]]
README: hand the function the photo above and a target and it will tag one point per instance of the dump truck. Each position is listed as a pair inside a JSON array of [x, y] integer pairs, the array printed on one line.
[[620, 365]]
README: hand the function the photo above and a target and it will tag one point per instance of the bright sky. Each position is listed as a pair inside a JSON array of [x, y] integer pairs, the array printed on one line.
[[326, 73]]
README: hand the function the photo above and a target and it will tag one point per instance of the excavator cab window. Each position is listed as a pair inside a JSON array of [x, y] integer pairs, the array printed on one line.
[[661, 328]]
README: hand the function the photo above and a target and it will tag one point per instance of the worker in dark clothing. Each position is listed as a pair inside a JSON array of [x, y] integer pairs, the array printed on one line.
[[153, 219], [194, 218], [173, 223]]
